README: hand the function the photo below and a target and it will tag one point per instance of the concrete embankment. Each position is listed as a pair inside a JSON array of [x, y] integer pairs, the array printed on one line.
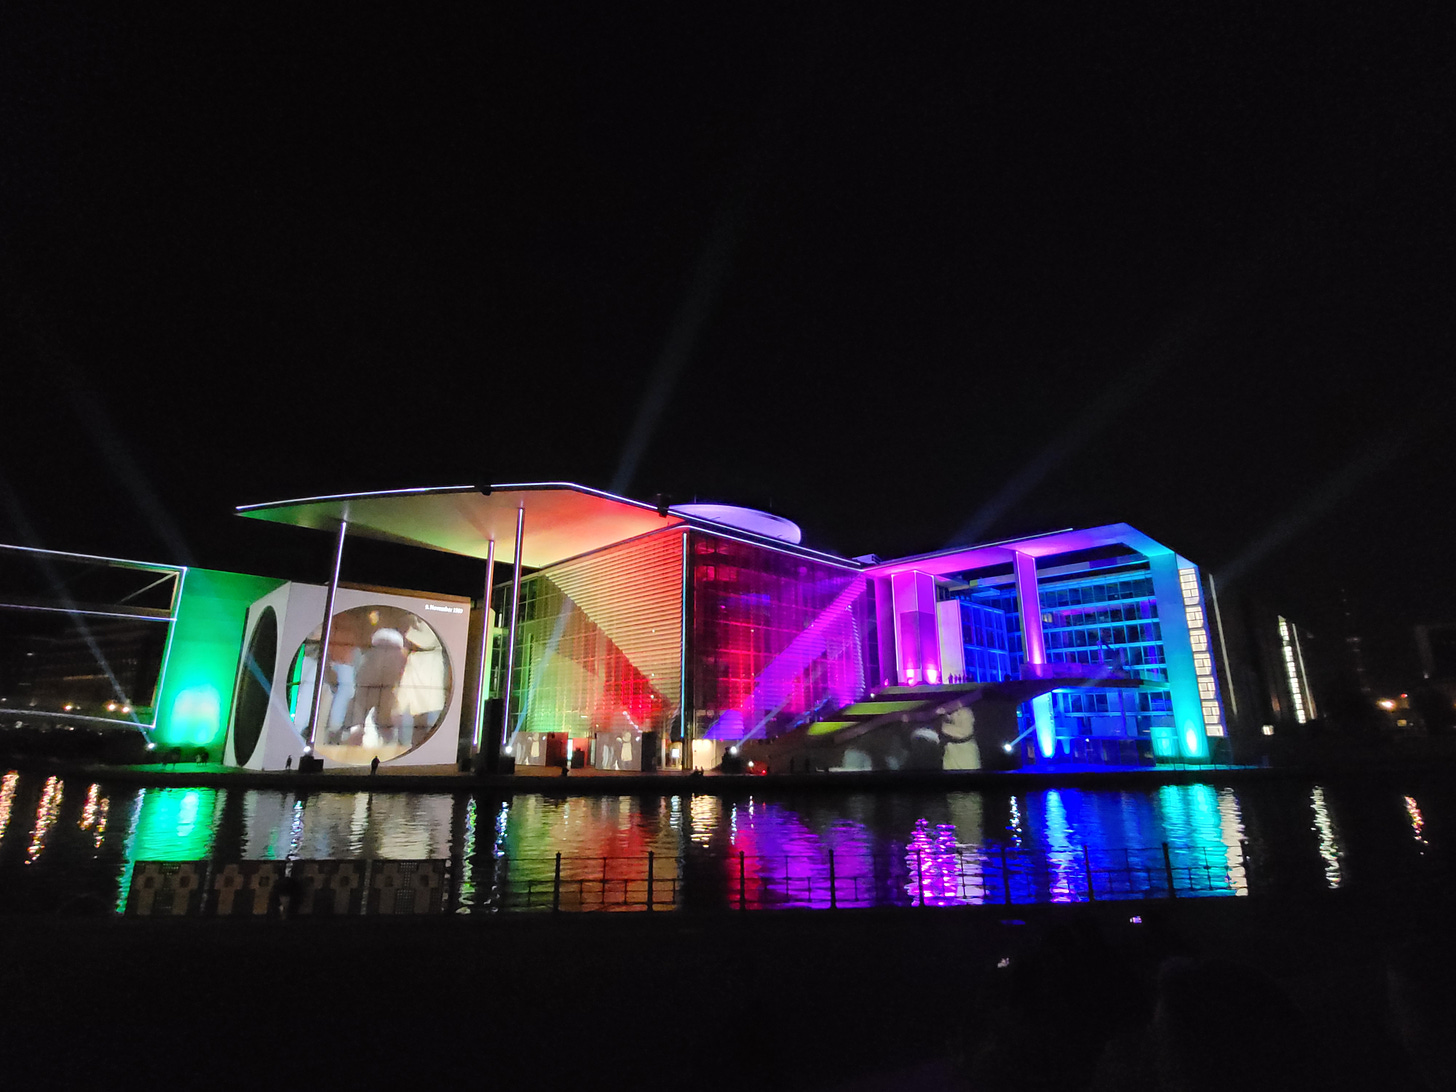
[[591, 782]]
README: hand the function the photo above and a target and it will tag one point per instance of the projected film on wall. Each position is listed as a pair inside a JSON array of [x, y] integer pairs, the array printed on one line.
[[386, 684]]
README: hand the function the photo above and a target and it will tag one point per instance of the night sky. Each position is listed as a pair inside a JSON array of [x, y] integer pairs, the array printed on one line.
[[908, 281]]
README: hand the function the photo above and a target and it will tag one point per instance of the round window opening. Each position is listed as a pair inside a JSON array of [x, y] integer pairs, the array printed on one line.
[[386, 685]]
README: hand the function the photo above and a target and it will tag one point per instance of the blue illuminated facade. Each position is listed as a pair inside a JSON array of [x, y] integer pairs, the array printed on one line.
[[1101, 616], [988, 648], [1110, 604]]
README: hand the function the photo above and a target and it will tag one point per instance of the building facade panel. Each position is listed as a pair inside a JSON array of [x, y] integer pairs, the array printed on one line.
[[776, 637], [599, 654]]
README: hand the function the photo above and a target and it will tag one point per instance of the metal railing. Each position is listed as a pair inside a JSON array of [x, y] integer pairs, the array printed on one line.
[[915, 875], [924, 876]]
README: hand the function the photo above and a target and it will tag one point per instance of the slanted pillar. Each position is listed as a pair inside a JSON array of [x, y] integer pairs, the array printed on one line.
[[1033, 648], [515, 607], [325, 633], [482, 667]]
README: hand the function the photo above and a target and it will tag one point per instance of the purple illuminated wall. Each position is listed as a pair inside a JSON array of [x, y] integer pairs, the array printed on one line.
[[917, 637], [775, 637]]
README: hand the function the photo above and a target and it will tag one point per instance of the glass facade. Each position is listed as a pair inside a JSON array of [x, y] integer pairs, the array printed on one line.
[[599, 654], [987, 648], [776, 638], [1094, 618]]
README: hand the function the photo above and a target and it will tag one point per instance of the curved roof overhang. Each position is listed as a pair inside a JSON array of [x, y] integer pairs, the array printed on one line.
[[562, 520]]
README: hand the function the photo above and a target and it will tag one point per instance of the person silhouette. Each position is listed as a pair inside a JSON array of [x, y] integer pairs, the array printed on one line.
[[374, 766]]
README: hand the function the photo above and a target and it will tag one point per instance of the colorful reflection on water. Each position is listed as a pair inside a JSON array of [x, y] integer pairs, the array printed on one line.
[[61, 838]]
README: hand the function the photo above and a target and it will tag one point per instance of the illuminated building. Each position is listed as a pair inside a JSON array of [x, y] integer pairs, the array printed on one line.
[[633, 636]]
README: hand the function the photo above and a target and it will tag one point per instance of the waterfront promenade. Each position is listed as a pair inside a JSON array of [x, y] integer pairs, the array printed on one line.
[[586, 782]]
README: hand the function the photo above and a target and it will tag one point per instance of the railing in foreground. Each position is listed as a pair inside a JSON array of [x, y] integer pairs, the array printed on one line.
[[919, 875]]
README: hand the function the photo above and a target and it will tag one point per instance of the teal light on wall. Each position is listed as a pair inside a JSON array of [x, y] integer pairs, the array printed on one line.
[[1189, 741], [195, 695]]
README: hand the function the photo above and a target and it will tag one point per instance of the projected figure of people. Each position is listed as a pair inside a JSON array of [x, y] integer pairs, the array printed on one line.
[[387, 684], [376, 687]]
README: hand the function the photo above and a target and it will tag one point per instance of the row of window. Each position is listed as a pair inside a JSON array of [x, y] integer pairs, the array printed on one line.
[[1095, 637], [1108, 591], [1142, 611], [1111, 702]]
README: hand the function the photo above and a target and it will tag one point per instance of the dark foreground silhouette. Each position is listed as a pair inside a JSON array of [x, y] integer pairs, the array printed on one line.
[[1222, 994]]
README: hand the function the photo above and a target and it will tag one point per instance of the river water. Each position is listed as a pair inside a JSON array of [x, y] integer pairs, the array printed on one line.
[[64, 838]]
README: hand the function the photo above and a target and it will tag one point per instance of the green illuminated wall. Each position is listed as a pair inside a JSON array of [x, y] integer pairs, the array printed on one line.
[[196, 691]]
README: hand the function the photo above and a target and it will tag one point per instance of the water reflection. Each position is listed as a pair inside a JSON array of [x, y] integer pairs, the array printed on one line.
[[1329, 850], [175, 824], [7, 799], [45, 816], [821, 850], [1231, 833], [1417, 822], [705, 812], [467, 867], [93, 814]]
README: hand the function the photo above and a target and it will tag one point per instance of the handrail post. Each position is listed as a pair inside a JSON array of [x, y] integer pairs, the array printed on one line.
[[1244, 861], [1087, 863], [556, 885], [1168, 869], [651, 860], [833, 895], [920, 873], [742, 890]]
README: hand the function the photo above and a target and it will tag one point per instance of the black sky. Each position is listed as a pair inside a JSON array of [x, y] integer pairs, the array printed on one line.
[[904, 280]]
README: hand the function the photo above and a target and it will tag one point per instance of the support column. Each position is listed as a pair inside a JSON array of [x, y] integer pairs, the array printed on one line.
[[1028, 606], [917, 640], [324, 635], [482, 675], [1033, 648], [506, 710], [685, 720]]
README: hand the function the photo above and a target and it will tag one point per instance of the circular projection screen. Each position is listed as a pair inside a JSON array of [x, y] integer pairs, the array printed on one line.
[[255, 686], [386, 685]]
